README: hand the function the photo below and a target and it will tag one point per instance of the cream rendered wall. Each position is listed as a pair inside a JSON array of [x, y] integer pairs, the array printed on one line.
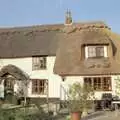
[[54, 81], [69, 80], [25, 64], [114, 79], [2, 90], [72, 79]]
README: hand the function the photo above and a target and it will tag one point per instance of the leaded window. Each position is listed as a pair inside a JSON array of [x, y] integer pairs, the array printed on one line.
[[95, 51], [38, 63], [99, 83], [39, 86]]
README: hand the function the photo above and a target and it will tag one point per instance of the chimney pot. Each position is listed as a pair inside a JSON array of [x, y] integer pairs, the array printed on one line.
[[68, 18]]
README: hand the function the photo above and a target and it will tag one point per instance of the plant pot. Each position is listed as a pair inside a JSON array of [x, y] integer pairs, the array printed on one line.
[[75, 115]]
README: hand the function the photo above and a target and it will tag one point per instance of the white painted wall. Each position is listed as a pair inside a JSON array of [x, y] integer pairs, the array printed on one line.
[[114, 84], [54, 81], [65, 85], [25, 64], [2, 90]]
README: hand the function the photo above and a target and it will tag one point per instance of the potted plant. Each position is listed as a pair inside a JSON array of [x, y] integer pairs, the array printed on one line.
[[79, 99]]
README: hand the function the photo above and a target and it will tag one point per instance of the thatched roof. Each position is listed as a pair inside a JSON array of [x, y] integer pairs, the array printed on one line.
[[37, 40], [70, 54], [14, 71], [66, 42]]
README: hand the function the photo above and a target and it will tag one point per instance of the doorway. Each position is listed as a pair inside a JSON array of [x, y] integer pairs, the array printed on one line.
[[9, 88]]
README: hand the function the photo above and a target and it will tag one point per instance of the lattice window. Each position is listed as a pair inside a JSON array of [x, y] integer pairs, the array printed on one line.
[[39, 86], [95, 51], [9, 82], [38, 63], [99, 83]]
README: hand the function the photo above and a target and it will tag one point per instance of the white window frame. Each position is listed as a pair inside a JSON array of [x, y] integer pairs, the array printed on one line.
[[38, 64], [41, 88], [103, 84], [105, 51]]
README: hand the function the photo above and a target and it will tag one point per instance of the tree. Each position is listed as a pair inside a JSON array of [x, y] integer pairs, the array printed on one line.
[[80, 98]]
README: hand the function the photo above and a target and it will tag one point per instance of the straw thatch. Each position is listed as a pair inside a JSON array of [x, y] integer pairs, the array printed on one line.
[[14, 71], [70, 56]]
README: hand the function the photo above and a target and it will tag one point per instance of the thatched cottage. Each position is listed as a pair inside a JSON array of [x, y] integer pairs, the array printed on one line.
[[47, 58]]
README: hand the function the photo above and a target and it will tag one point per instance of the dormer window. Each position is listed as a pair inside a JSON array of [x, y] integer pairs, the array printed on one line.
[[97, 51]]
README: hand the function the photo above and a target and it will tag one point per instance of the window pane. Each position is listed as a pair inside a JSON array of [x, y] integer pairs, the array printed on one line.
[[91, 52], [95, 51], [107, 83], [100, 51], [43, 62], [97, 83], [34, 86], [39, 86]]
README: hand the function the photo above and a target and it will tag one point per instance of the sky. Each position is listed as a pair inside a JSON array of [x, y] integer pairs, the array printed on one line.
[[36, 12]]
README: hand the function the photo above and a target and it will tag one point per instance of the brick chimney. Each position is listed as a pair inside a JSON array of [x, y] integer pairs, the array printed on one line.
[[68, 18]]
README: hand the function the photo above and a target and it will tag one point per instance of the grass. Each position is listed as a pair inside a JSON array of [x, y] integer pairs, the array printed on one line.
[[23, 113]]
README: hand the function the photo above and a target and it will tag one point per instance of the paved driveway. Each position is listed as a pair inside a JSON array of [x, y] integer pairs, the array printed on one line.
[[97, 116], [106, 116]]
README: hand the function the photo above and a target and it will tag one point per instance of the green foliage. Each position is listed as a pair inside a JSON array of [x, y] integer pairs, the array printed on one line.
[[80, 97], [68, 117], [22, 112], [12, 114]]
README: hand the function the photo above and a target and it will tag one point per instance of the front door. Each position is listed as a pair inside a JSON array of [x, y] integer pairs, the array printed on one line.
[[9, 88]]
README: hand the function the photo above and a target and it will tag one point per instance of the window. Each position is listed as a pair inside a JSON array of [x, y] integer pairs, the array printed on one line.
[[95, 51], [39, 86], [9, 82], [99, 83], [38, 63]]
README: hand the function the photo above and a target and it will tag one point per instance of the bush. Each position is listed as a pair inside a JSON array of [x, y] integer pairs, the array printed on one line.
[[23, 114]]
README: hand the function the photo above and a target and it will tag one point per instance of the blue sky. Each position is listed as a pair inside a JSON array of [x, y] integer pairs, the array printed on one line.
[[34, 12]]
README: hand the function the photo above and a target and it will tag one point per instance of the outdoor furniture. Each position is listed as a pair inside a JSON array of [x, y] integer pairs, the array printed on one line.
[[106, 101], [115, 103], [97, 105]]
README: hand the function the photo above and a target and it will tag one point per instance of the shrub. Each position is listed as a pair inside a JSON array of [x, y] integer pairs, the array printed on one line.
[[80, 97]]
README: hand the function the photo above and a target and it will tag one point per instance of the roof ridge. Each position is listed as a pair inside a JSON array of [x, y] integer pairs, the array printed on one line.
[[50, 25], [55, 27]]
